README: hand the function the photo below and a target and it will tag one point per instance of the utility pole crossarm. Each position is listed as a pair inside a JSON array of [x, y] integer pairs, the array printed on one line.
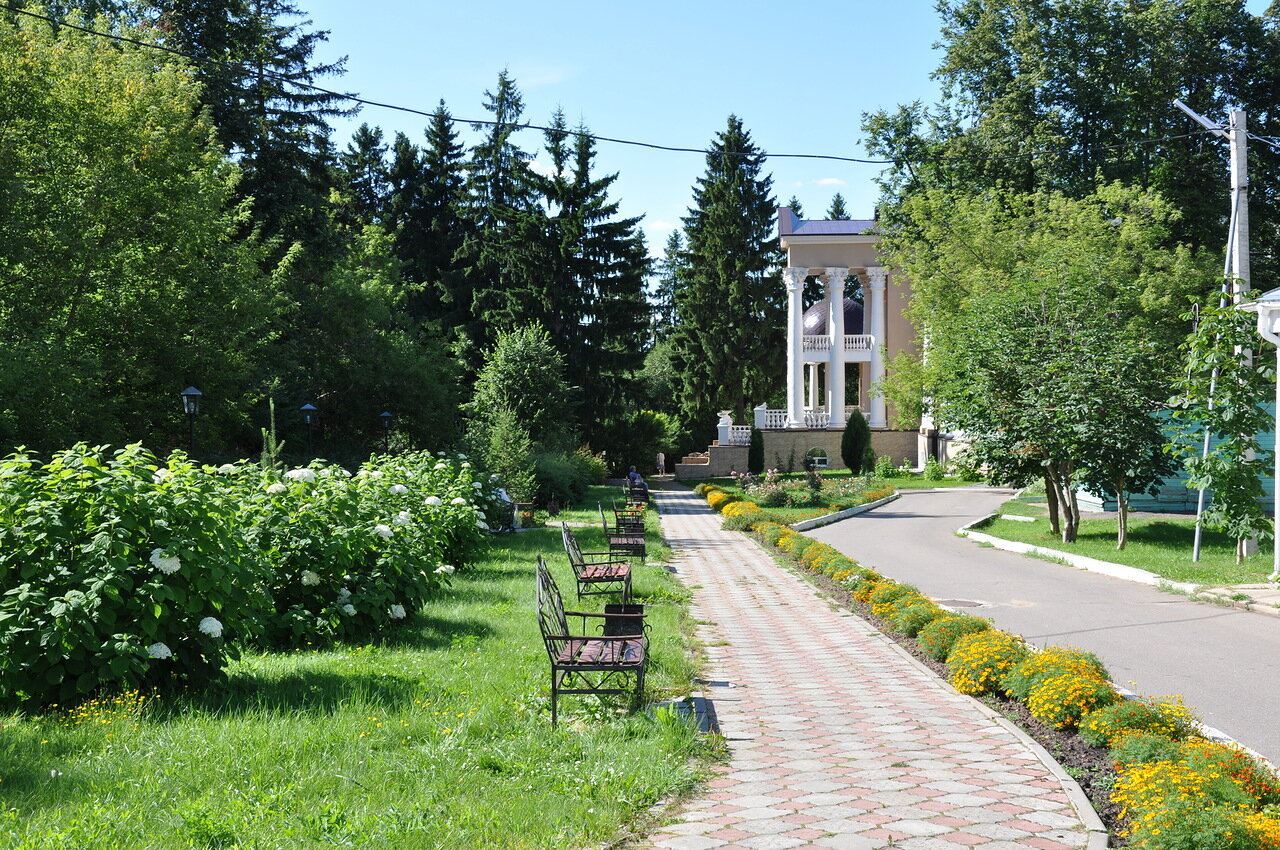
[[1216, 129]]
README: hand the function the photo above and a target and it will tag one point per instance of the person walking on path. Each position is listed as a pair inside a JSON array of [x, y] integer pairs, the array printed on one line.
[[838, 738]]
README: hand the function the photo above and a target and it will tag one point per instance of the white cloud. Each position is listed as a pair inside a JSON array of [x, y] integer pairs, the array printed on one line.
[[830, 181]]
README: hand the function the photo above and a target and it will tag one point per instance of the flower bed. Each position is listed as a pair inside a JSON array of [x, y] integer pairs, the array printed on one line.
[[122, 570], [1175, 789], [756, 503]]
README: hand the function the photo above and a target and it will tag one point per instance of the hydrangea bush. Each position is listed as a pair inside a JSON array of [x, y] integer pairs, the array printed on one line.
[[117, 569]]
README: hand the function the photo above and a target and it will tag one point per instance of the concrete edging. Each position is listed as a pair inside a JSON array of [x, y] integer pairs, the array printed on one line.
[[827, 519], [1092, 565]]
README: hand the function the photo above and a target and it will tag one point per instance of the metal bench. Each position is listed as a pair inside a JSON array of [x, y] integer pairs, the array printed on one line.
[[623, 540], [597, 573], [587, 664]]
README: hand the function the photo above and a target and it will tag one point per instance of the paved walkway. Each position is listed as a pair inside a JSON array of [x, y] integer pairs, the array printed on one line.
[[839, 739]]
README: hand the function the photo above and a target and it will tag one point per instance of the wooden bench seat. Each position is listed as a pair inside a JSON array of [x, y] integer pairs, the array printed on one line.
[[597, 573], [623, 539], [588, 664]]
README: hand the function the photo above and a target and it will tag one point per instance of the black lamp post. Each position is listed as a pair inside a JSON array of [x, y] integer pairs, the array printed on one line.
[[385, 416], [191, 406], [308, 416]]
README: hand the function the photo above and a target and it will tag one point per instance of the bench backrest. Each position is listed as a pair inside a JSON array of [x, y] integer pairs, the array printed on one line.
[[551, 619], [571, 549]]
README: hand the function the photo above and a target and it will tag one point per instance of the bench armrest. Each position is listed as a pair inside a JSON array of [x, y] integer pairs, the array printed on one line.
[[610, 616]]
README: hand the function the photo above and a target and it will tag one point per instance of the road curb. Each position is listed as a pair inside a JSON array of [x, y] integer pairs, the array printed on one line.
[[1093, 565], [827, 519]]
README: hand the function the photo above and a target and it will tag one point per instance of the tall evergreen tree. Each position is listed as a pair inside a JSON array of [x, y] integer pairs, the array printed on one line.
[[796, 208], [669, 269], [731, 310], [364, 174], [837, 212]]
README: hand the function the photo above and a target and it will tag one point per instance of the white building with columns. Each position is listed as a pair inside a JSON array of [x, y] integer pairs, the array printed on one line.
[[836, 351]]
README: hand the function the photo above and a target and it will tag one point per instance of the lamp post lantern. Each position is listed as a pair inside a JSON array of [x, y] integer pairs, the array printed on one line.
[[1267, 308], [308, 416], [191, 407], [385, 416]]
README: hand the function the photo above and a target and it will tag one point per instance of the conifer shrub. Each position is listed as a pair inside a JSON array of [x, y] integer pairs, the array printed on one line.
[[1167, 717], [755, 452], [1051, 661], [855, 442], [937, 638], [980, 660], [910, 619], [1062, 700]]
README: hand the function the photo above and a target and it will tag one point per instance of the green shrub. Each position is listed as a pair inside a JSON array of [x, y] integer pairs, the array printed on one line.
[[795, 544], [884, 468], [591, 468], [742, 521], [910, 619], [1166, 717], [979, 661], [1064, 698], [937, 638], [933, 470], [884, 597], [772, 531], [855, 442], [1051, 661], [770, 495], [118, 571], [559, 478], [755, 452], [1142, 747]]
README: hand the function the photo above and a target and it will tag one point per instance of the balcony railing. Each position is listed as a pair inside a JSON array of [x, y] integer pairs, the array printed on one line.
[[740, 435], [852, 342]]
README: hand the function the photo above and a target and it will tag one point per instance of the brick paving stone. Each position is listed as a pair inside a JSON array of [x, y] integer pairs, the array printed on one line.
[[853, 747]]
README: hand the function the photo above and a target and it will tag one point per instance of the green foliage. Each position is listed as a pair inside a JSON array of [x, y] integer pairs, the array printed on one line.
[[884, 468], [523, 373], [755, 452], [933, 470], [1168, 718], [978, 662], [855, 442], [937, 638], [1139, 747], [117, 570], [509, 454], [910, 619], [1225, 396]]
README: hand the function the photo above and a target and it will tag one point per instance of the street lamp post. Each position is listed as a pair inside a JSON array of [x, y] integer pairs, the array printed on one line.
[[191, 406], [1267, 308], [308, 416], [385, 416]]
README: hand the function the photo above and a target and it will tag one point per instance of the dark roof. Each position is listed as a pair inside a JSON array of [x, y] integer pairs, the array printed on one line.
[[789, 225], [815, 318]]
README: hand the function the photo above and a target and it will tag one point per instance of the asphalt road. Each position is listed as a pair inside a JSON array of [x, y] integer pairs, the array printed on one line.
[[1223, 661]]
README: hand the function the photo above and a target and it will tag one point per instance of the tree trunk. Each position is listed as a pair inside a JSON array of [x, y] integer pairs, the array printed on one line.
[[1067, 496], [1051, 496], [1122, 515]]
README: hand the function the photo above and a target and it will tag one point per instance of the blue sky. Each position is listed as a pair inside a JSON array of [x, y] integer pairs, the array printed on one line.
[[799, 74]]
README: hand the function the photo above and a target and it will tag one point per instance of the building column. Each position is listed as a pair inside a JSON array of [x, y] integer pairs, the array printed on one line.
[[794, 280], [876, 303], [835, 325], [813, 386]]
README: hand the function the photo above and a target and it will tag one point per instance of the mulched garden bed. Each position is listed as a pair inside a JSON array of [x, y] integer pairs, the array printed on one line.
[[1089, 766]]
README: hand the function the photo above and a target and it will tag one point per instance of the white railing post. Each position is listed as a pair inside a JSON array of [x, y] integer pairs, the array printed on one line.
[[761, 411], [724, 426]]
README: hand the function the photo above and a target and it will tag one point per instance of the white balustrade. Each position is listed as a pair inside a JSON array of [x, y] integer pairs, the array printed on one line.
[[816, 342], [817, 420], [775, 420], [740, 435], [859, 342]]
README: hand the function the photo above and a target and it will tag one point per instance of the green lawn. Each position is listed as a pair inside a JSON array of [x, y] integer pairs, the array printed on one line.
[[1162, 546], [437, 737]]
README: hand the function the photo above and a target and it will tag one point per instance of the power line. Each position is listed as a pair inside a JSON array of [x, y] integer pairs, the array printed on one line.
[[594, 137]]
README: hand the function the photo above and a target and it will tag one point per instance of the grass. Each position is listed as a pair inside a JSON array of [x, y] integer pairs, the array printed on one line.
[[437, 737], [1161, 545]]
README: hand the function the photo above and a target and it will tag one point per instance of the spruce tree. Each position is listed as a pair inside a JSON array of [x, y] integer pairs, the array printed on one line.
[[669, 269], [731, 311], [837, 212], [794, 204], [362, 168]]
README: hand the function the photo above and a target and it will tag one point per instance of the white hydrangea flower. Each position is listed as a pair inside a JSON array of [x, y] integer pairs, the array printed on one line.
[[377, 473], [228, 469], [277, 487], [364, 473], [493, 478], [165, 564], [461, 456], [304, 474], [383, 531], [441, 465], [477, 485], [349, 610], [211, 627], [341, 472], [160, 651], [399, 489], [309, 578], [466, 465], [403, 518], [457, 500], [439, 454], [160, 475], [445, 569], [397, 612], [482, 525], [434, 501], [344, 596]]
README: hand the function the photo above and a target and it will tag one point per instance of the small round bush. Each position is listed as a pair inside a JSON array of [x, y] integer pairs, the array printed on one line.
[[795, 544], [770, 495], [719, 499], [979, 661], [1064, 699], [1214, 759], [863, 590], [937, 638], [772, 531], [741, 521], [910, 619], [819, 555], [891, 596], [740, 508], [1051, 661], [1165, 716], [1143, 748], [704, 489]]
